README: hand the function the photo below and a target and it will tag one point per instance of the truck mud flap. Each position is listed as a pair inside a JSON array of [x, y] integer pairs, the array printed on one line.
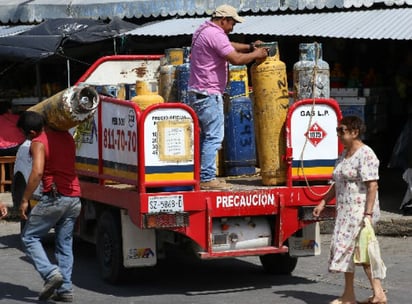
[[307, 242]]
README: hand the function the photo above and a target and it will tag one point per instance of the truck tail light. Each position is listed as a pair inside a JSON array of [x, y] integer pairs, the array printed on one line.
[[166, 220]]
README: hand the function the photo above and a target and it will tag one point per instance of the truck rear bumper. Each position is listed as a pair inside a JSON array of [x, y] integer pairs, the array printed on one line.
[[247, 252]]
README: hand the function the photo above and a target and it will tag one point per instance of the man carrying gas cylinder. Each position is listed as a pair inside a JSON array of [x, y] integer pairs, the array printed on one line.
[[211, 51]]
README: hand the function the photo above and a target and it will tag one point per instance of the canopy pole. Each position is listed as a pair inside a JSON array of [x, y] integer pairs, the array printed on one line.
[[38, 82], [68, 72], [114, 46]]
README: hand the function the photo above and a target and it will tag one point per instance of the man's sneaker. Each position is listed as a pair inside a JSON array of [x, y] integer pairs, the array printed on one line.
[[50, 286], [62, 297], [221, 180], [214, 184]]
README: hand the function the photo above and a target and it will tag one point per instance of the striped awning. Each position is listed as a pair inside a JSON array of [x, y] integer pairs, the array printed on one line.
[[35, 11], [395, 24]]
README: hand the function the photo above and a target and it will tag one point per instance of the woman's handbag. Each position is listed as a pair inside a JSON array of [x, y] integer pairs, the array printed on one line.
[[367, 251]]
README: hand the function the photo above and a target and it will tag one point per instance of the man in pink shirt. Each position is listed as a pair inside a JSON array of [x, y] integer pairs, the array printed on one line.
[[211, 51]]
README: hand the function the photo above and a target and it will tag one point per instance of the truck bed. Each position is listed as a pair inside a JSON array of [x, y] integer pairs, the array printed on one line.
[[239, 183]]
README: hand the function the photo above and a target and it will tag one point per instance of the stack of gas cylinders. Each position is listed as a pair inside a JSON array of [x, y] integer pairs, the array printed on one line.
[[254, 118]]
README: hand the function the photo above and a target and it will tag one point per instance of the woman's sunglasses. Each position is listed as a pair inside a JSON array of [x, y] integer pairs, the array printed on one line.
[[341, 130]]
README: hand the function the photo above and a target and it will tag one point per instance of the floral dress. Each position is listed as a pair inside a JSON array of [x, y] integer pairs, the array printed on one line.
[[350, 176]]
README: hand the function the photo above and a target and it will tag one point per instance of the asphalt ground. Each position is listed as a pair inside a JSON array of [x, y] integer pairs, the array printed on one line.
[[392, 189]]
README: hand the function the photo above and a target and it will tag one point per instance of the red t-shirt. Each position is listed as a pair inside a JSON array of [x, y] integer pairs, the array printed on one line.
[[59, 165]]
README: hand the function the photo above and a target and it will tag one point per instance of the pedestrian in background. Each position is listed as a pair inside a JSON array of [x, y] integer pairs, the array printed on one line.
[[10, 136], [355, 188], [211, 51], [53, 164], [3, 210]]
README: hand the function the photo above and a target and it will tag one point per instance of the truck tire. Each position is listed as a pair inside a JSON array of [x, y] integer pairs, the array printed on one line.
[[109, 247], [280, 263]]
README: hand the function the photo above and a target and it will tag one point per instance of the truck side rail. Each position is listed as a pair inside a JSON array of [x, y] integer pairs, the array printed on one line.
[[107, 146], [312, 143], [117, 69], [170, 154]]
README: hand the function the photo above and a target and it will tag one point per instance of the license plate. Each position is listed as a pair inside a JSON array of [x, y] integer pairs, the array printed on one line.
[[166, 203]]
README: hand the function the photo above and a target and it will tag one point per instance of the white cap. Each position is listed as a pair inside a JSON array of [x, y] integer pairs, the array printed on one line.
[[227, 11]]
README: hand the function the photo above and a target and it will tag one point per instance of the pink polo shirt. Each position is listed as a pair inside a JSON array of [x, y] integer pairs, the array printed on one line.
[[208, 65]]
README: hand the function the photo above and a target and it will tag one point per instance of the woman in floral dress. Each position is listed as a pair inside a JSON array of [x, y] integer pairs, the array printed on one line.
[[355, 188]]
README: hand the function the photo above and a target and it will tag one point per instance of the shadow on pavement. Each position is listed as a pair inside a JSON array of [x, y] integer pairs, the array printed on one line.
[[179, 275], [306, 296], [17, 293]]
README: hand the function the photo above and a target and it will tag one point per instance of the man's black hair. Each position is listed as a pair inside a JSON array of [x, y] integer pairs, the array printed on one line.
[[30, 121]]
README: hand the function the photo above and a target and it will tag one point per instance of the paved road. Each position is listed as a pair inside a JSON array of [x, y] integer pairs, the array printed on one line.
[[391, 193], [179, 280]]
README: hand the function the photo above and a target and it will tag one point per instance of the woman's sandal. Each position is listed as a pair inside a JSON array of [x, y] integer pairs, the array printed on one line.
[[369, 301], [339, 301], [366, 301]]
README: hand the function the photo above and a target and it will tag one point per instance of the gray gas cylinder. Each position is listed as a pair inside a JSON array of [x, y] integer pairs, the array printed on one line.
[[311, 77]]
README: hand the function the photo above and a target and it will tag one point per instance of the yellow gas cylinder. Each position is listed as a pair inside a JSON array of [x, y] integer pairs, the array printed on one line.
[[174, 56], [146, 95], [271, 102], [238, 81], [69, 108], [121, 92], [220, 163], [167, 82]]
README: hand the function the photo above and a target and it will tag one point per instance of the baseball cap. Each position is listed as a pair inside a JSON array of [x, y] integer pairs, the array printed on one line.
[[227, 11]]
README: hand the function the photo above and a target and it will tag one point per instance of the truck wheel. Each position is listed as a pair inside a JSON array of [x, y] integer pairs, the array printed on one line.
[[109, 247], [280, 263]]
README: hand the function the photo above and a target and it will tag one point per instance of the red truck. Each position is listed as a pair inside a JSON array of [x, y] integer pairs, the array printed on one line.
[[139, 173]]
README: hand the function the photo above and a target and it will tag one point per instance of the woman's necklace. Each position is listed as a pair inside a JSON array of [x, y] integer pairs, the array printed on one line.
[[352, 150], [349, 153]]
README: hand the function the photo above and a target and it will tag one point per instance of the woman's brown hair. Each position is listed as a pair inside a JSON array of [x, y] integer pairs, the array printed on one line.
[[354, 123]]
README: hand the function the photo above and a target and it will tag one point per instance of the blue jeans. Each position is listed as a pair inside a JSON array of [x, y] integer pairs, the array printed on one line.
[[209, 111], [61, 213]]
